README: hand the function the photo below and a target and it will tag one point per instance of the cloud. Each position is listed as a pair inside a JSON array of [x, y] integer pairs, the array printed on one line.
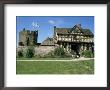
[[52, 22], [55, 22]]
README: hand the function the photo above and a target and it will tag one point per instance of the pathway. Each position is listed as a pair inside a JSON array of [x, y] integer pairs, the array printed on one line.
[[79, 59]]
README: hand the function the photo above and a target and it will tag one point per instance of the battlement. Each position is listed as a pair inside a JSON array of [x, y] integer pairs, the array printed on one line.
[[24, 31], [34, 32], [27, 37]]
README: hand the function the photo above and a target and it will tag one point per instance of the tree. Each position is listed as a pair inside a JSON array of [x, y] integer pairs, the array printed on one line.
[[59, 51], [29, 52]]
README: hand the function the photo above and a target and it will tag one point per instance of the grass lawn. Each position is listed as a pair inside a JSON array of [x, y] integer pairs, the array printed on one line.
[[55, 67]]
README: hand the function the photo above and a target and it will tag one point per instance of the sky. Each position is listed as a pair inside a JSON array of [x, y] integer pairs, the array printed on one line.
[[45, 24]]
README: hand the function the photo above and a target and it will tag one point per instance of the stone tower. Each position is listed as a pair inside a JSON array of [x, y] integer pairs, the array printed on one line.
[[28, 38]]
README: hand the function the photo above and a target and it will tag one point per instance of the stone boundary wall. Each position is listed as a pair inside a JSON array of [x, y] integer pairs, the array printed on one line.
[[39, 50], [43, 50]]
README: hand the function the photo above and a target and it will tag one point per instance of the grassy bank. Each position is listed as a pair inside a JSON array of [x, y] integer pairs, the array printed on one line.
[[56, 67]]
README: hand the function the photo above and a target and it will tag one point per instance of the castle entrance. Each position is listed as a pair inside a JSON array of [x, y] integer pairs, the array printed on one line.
[[75, 49]]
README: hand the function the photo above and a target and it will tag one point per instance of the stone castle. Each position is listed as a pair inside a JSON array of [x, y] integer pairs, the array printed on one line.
[[75, 39], [28, 38]]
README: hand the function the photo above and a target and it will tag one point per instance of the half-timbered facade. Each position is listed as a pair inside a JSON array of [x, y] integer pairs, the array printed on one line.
[[74, 39]]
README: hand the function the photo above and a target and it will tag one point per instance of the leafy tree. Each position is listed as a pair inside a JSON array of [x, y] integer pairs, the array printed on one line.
[[29, 52], [59, 51], [20, 53]]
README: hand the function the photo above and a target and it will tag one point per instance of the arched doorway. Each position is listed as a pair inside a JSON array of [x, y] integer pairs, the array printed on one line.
[[75, 49]]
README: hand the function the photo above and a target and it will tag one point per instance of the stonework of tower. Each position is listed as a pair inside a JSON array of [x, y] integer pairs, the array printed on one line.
[[28, 38]]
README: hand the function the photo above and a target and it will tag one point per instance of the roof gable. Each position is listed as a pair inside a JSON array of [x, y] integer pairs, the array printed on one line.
[[75, 29], [48, 41]]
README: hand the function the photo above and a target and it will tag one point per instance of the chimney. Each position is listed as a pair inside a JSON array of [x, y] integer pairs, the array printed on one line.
[[24, 29], [54, 27], [54, 30]]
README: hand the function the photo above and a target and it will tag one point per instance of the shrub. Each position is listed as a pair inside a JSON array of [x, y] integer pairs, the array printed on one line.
[[87, 54], [29, 52], [67, 55], [38, 56], [59, 51], [49, 55], [20, 53]]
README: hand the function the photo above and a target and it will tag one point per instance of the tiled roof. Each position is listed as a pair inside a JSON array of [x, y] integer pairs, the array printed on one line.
[[87, 32], [63, 30], [74, 29]]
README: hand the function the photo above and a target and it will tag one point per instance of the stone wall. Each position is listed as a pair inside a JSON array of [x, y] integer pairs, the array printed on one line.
[[39, 50], [43, 50]]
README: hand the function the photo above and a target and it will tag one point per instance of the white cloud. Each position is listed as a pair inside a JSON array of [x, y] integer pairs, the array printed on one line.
[[55, 22], [52, 22]]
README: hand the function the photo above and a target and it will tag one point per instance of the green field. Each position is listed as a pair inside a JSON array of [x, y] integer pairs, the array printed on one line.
[[55, 67]]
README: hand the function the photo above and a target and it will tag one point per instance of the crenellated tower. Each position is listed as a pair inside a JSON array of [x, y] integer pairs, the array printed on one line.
[[28, 38]]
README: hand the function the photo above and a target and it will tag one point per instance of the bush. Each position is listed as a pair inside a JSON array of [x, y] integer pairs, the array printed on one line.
[[69, 54], [59, 51], [29, 52], [50, 54], [87, 54], [38, 56], [20, 54]]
